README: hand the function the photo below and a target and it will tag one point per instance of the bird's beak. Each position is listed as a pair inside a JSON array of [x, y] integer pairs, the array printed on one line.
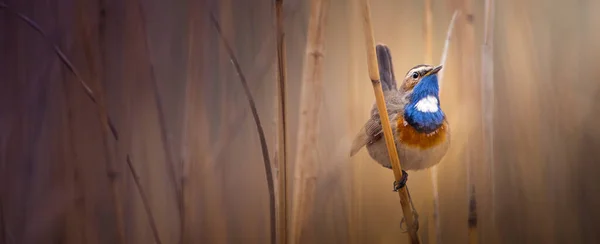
[[434, 70]]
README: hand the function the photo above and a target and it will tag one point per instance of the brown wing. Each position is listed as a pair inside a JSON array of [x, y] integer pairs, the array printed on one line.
[[370, 133], [374, 130]]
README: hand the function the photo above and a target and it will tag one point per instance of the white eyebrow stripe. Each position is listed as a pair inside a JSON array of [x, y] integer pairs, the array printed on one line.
[[419, 69]]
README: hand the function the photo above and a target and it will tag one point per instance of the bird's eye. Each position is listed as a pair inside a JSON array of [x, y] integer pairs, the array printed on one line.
[[415, 75]]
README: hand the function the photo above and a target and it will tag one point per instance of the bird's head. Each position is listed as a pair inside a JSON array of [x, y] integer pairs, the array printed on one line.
[[423, 110], [416, 74]]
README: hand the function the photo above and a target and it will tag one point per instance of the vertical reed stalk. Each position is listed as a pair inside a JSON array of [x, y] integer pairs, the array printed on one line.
[[487, 97], [305, 175], [468, 79], [385, 121], [112, 169], [281, 125]]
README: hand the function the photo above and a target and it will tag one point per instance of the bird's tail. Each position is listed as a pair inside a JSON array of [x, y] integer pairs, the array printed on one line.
[[360, 140], [386, 68]]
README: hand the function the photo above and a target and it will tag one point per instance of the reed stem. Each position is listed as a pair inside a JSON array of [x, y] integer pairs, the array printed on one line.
[[305, 174], [281, 125], [469, 82], [487, 97], [385, 121]]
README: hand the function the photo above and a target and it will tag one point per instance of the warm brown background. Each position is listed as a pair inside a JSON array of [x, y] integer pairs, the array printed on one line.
[[52, 159]]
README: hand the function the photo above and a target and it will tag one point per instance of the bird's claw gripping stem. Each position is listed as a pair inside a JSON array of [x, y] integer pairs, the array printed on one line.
[[399, 184]]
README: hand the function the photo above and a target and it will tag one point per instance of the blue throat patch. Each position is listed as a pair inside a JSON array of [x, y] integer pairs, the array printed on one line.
[[424, 122]]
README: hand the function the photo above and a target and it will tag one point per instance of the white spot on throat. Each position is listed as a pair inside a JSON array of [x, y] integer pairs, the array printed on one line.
[[428, 104]]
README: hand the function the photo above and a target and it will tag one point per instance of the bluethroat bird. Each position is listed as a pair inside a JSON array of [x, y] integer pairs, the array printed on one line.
[[421, 131]]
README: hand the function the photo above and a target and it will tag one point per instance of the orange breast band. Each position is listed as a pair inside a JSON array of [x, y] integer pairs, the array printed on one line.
[[409, 136]]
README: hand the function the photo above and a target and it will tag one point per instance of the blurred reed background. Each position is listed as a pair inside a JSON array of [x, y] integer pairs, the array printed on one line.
[[166, 81]]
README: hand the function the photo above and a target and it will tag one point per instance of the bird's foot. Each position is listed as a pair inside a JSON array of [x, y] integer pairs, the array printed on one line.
[[399, 184]]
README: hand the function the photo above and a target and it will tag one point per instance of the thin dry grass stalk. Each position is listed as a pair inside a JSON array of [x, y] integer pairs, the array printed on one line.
[[228, 29], [487, 97], [261, 134], [447, 47], [164, 135], [310, 98], [264, 58], [405, 201], [434, 169], [231, 130], [112, 170], [63, 58], [57, 50], [468, 79], [281, 126], [213, 181], [107, 125], [428, 32], [151, 220]]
